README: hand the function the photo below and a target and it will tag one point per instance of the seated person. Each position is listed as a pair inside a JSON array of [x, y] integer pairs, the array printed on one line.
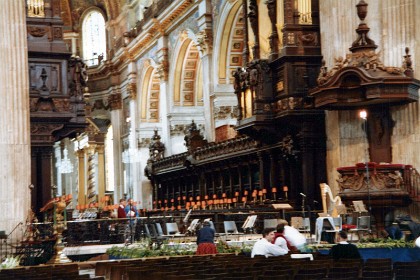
[[394, 231], [293, 235], [264, 246], [344, 250], [280, 239]]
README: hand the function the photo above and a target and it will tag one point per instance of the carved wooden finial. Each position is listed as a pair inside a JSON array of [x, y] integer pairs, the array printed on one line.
[[408, 63], [362, 10], [363, 42]]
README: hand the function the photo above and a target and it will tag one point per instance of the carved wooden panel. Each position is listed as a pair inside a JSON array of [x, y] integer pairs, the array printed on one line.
[[46, 77]]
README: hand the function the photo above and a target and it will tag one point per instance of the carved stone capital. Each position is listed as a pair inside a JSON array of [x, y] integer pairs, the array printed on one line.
[[162, 70], [132, 90], [115, 101], [205, 41]]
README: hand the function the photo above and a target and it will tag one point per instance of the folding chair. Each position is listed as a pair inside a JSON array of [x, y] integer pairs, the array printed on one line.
[[363, 225]]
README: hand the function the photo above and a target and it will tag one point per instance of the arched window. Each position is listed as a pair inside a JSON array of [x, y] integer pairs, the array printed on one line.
[[94, 38]]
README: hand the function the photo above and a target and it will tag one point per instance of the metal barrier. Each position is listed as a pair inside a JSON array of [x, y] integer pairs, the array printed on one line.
[[9, 242]]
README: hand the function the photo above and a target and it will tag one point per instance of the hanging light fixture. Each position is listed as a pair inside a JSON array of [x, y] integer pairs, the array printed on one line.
[[65, 164]]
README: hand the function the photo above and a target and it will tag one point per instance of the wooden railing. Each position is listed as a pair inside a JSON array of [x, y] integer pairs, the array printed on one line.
[[211, 150]]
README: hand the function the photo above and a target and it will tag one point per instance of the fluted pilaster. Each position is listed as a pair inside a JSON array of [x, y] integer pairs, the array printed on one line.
[[15, 174]]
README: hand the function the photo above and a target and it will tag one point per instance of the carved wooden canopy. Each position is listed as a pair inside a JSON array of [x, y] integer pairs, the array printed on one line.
[[361, 79]]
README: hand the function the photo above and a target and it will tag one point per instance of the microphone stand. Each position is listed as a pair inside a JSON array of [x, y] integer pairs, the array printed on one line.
[[131, 224], [303, 207], [303, 214]]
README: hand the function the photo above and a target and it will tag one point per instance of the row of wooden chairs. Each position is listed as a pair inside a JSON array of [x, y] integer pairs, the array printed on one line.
[[45, 272], [241, 267]]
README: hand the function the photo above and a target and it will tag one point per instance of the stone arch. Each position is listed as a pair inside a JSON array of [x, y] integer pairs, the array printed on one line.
[[66, 13], [113, 7], [149, 92], [229, 54], [187, 74]]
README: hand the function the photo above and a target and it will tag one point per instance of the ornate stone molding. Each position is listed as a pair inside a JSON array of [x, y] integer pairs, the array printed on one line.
[[226, 112], [144, 142], [163, 25], [182, 129], [178, 129]]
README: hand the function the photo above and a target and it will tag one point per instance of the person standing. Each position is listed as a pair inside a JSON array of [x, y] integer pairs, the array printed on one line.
[[265, 247], [121, 209], [131, 213], [344, 250], [131, 210], [205, 240]]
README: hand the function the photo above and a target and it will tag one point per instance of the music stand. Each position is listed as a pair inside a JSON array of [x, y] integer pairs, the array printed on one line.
[[359, 206], [282, 207], [249, 222]]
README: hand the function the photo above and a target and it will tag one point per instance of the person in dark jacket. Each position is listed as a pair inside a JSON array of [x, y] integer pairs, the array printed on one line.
[[205, 240], [344, 250]]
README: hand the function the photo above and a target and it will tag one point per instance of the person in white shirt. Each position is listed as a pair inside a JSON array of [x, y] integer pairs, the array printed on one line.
[[265, 247], [292, 235]]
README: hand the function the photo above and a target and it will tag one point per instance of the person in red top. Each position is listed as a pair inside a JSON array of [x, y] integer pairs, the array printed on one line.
[[121, 208], [279, 234]]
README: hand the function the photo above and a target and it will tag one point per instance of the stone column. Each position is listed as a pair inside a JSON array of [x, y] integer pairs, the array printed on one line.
[[15, 171], [115, 104], [205, 45], [57, 154], [101, 170], [164, 97], [134, 159], [81, 198]]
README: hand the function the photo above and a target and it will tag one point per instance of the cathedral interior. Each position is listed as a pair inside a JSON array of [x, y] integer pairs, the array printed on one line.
[[209, 105]]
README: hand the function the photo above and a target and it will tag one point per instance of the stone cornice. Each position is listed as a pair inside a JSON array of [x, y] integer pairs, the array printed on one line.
[[152, 29], [155, 28]]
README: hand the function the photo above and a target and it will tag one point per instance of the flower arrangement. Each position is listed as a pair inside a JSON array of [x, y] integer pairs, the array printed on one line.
[[370, 243], [146, 248], [11, 262], [384, 243]]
